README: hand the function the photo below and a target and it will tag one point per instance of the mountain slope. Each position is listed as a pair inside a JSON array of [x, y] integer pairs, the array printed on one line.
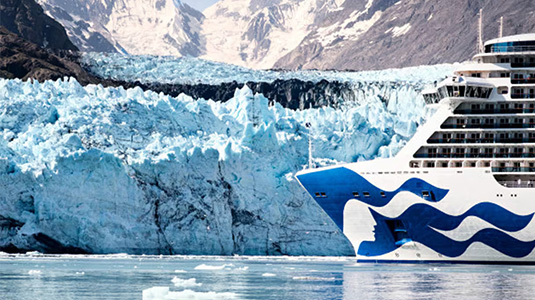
[[406, 33], [26, 19], [257, 33], [158, 27]]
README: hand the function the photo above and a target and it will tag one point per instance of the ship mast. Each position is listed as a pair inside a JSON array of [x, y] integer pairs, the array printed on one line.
[[480, 48], [501, 27]]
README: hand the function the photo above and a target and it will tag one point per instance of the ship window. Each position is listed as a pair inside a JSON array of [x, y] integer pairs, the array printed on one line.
[[461, 91], [425, 194], [323, 195], [503, 90], [366, 194], [356, 195], [504, 60], [318, 195], [450, 90], [383, 194]]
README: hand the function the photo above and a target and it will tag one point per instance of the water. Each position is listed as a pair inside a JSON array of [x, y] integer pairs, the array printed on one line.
[[126, 277]]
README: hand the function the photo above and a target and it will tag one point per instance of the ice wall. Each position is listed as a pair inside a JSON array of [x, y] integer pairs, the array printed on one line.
[[108, 170], [186, 70]]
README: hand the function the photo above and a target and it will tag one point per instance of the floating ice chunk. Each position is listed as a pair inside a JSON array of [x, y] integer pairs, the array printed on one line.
[[268, 275], [181, 271], [35, 272], [213, 267], [185, 283], [163, 293], [313, 278]]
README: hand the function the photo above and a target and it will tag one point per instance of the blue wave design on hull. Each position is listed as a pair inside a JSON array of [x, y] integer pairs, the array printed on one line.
[[420, 219], [340, 183]]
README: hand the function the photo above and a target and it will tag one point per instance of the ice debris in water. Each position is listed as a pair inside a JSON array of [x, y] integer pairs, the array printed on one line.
[[163, 293], [185, 283], [268, 275], [169, 69], [109, 170], [35, 272], [213, 267]]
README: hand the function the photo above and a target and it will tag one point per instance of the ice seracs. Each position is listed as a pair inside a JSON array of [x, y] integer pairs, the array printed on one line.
[[109, 170]]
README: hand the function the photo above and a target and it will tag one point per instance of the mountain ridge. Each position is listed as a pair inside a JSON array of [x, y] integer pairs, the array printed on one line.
[[301, 34]]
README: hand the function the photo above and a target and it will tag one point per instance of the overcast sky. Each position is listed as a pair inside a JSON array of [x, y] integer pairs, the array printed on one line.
[[199, 5]]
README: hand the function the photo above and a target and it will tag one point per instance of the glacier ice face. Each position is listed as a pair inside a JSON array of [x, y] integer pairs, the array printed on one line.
[[109, 170], [169, 69]]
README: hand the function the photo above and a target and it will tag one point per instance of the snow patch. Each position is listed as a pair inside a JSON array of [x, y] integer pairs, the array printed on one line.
[[401, 30]]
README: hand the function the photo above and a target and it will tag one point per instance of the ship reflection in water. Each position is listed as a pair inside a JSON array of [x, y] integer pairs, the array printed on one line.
[[37, 276]]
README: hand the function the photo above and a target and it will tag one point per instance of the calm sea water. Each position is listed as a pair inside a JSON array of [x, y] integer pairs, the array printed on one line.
[[37, 276]]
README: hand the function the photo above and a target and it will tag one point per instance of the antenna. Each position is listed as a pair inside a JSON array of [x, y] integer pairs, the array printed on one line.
[[308, 125], [501, 27], [480, 47]]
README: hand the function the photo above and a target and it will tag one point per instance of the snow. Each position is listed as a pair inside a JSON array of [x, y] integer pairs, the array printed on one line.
[[109, 170], [172, 30], [257, 34], [398, 31], [167, 69]]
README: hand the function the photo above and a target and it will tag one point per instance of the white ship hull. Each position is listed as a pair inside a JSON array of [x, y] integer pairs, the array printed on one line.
[[471, 219], [463, 188]]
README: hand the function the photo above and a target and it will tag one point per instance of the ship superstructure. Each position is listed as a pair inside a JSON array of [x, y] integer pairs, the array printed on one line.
[[463, 188]]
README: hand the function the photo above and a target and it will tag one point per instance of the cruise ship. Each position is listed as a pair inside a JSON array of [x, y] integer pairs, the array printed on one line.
[[463, 188]]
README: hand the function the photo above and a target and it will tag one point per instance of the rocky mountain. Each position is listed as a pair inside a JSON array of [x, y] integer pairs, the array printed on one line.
[[158, 27], [389, 33], [23, 59], [257, 33], [293, 34], [26, 19]]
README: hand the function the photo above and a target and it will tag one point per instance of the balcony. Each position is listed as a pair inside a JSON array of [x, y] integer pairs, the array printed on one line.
[[480, 140], [523, 65], [512, 169], [504, 48], [522, 80], [522, 96], [475, 155], [468, 111], [494, 125]]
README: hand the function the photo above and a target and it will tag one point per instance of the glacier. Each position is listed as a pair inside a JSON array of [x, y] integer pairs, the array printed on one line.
[[189, 70], [108, 170]]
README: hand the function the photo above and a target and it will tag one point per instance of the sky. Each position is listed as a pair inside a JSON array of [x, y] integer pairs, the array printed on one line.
[[199, 5]]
